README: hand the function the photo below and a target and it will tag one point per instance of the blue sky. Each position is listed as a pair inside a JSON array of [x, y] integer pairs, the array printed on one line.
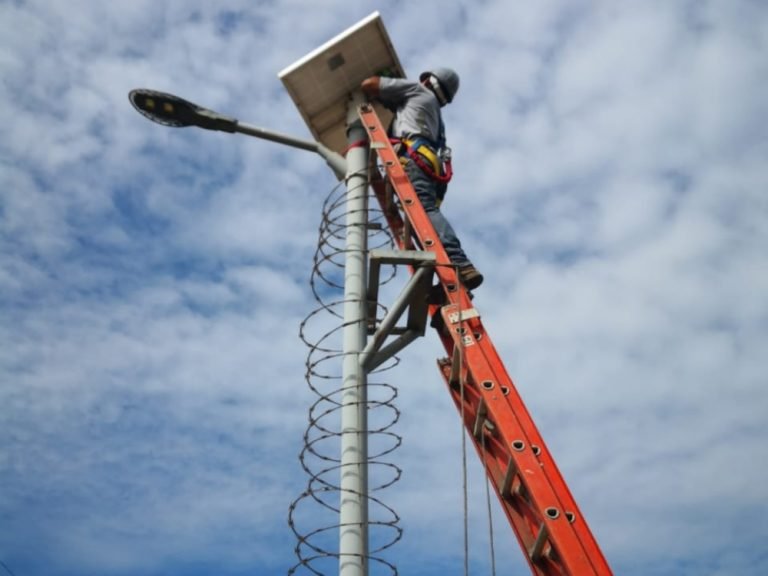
[[610, 183]]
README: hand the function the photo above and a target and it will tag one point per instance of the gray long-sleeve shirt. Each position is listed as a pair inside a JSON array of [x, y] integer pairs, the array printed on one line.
[[417, 110]]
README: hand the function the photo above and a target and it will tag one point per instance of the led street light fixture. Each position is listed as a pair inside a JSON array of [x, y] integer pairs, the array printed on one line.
[[170, 110]]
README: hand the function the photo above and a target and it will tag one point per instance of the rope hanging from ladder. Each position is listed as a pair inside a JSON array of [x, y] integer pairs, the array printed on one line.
[[465, 489], [490, 511]]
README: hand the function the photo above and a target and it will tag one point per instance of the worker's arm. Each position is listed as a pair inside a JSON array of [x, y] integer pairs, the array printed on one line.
[[371, 86]]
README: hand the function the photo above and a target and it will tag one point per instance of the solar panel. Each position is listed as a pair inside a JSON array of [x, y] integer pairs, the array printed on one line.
[[320, 83]]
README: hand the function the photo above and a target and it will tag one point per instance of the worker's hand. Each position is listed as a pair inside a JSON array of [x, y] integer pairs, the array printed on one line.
[[370, 86], [387, 72]]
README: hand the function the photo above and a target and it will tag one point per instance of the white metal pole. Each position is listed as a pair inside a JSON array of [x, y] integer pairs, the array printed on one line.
[[353, 509]]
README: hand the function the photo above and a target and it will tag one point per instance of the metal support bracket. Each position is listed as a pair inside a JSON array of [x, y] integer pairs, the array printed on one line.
[[413, 298]]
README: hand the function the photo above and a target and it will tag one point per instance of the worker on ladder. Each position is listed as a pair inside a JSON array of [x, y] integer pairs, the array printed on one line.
[[418, 134]]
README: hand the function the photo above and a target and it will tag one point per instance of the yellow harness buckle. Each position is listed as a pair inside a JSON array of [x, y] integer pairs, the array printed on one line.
[[427, 153]]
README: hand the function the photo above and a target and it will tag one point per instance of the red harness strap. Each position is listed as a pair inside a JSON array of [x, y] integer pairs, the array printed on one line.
[[416, 157]]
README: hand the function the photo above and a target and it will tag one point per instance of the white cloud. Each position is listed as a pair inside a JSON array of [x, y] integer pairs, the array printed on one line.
[[610, 183]]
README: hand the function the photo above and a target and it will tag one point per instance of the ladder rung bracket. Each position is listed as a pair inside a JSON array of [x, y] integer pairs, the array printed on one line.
[[462, 337], [463, 315]]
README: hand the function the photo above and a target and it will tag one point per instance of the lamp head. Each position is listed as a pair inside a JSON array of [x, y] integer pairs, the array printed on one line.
[[170, 110]]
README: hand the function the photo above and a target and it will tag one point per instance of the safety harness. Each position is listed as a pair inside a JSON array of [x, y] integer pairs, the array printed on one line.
[[433, 158], [436, 165]]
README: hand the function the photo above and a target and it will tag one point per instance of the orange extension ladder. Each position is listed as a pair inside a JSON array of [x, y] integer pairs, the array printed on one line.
[[550, 529]]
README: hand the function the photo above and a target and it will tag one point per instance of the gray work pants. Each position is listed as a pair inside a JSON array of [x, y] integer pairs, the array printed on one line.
[[426, 190]]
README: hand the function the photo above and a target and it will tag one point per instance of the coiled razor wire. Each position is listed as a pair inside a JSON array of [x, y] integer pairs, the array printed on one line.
[[314, 515]]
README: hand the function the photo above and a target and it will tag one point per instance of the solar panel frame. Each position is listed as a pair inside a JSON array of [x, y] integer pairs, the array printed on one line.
[[321, 82]]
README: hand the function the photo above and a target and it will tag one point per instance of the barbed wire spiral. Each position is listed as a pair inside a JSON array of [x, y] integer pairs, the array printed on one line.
[[314, 515]]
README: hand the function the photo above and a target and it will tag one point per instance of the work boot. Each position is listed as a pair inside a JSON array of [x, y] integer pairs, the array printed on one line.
[[437, 321], [470, 277], [436, 295]]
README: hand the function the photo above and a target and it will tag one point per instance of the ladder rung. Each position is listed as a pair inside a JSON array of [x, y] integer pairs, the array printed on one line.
[[538, 546], [455, 375], [482, 411], [509, 477], [407, 234], [389, 198]]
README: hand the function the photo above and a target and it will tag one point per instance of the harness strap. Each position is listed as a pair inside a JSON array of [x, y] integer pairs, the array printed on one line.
[[426, 158]]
